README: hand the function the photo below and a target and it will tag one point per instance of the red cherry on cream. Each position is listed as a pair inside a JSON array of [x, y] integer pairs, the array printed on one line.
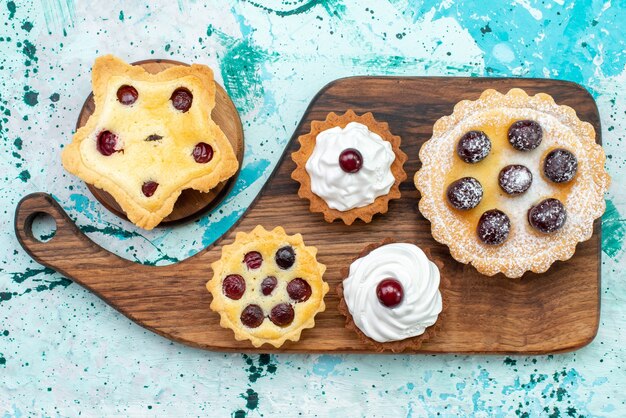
[[390, 292], [350, 160]]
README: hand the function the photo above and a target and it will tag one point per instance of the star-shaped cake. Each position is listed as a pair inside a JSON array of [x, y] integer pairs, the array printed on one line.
[[151, 136]]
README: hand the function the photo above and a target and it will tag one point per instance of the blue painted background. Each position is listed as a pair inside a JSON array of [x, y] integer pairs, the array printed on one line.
[[63, 352]]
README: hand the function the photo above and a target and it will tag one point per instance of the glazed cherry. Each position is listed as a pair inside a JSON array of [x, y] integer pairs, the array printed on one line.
[[282, 314], [560, 165], [525, 135], [268, 285], [299, 290], [127, 95], [350, 160], [202, 153], [285, 257], [182, 99], [253, 260], [465, 193], [106, 143], [493, 227], [252, 316], [149, 188], [547, 216], [234, 286], [390, 292], [515, 179], [473, 147]]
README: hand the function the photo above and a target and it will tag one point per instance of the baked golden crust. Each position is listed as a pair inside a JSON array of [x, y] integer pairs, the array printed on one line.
[[411, 344], [167, 161], [525, 249], [307, 144], [267, 243]]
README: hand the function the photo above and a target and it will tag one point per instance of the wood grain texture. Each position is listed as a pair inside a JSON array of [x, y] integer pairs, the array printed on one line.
[[541, 313], [191, 203]]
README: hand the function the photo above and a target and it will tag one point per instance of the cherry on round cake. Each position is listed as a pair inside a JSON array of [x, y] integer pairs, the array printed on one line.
[[253, 260], [252, 316], [525, 135], [234, 286], [282, 314], [285, 257], [473, 147], [299, 290], [390, 292], [127, 95], [515, 179], [106, 143], [350, 160], [493, 227], [560, 165], [547, 216], [465, 193], [149, 187], [182, 99], [202, 153], [268, 285]]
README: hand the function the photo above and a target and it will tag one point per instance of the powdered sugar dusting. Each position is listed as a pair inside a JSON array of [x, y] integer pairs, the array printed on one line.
[[548, 216], [515, 179], [493, 227], [525, 249], [465, 193], [560, 165]]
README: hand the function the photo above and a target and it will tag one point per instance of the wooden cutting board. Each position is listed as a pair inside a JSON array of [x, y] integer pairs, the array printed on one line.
[[541, 313]]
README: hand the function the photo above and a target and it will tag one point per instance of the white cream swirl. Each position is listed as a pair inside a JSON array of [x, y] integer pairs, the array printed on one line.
[[344, 191], [419, 277]]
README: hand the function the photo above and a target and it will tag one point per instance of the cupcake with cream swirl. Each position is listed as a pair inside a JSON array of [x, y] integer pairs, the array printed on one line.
[[391, 296], [349, 167]]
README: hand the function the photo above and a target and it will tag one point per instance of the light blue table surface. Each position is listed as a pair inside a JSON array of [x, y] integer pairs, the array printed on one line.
[[64, 352]]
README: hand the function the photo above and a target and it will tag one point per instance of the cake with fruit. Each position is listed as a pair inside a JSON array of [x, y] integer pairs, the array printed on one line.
[[511, 182], [267, 286], [349, 167], [151, 136], [391, 296]]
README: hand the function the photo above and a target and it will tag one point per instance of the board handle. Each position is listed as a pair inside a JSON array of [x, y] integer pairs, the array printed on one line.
[[69, 251]]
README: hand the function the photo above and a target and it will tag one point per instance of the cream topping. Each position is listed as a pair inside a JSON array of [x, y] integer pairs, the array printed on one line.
[[344, 191], [419, 277]]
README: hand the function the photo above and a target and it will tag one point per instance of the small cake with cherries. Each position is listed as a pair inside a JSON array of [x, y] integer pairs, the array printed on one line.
[[267, 286], [151, 136], [511, 182], [391, 296], [349, 167]]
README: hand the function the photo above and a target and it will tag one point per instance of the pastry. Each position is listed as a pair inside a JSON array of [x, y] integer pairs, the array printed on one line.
[[151, 136], [349, 167], [267, 286], [511, 182], [390, 296]]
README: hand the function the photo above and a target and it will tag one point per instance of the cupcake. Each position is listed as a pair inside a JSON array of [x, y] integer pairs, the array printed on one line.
[[349, 167], [512, 183], [267, 287], [391, 296]]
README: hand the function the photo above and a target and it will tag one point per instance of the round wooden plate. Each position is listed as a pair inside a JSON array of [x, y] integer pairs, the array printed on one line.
[[191, 203]]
